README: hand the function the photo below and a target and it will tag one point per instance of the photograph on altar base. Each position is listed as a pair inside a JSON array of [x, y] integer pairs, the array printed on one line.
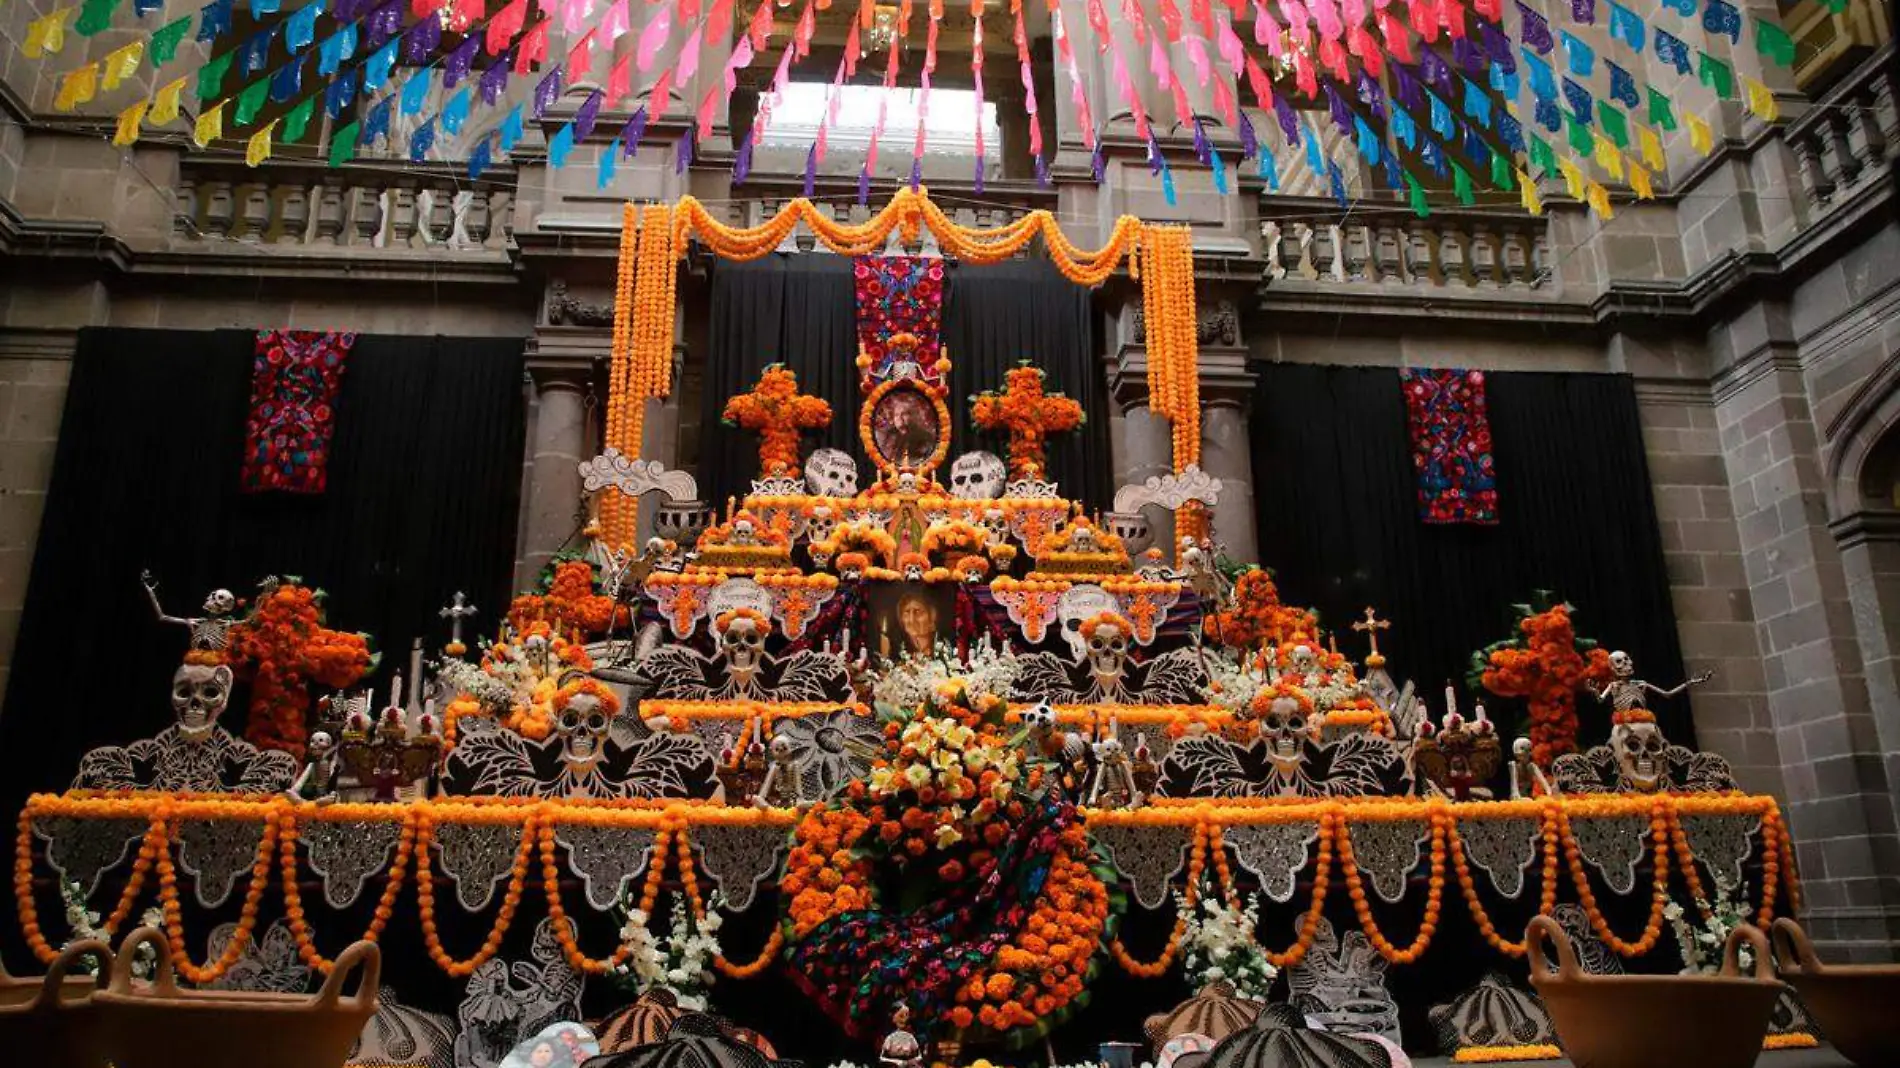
[[905, 427], [910, 617]]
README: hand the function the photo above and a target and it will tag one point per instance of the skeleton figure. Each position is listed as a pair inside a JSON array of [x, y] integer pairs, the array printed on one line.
[[1638, 759], [740, 669], [901, 1049], [996, 524], [1305, 664], [583, 726], [1045, 737], [317, 781], [1104, 672], [1627, 693], [1526, 776], [783, 775], [193, 755], [977, 475], [210, 632], [1114, 784]]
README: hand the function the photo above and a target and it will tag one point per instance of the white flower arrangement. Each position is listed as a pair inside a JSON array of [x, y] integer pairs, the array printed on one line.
[[1702, 946], [85, 924], [909, 681], [681, 962], [1219, 946], [1231, 685]]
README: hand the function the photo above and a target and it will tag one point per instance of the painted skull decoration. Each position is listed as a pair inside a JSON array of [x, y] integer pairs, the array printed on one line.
[[199, 694], [820, 524], [1285, 730], [996, 523], [832, 473], [1108, 654], [582, 727], [977, 475], [1641, 755], [742, 645]]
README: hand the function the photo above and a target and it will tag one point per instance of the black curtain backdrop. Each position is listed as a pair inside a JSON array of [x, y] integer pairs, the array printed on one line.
[[802, 311], [425, 472], [1339, 524]]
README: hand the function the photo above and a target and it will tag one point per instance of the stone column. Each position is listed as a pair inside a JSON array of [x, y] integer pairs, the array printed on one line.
[[560, 437], [1226, 445], [1145, 446]]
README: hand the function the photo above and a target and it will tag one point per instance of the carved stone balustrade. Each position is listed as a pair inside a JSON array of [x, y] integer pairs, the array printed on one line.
[[1469, 251], [1845, 141]]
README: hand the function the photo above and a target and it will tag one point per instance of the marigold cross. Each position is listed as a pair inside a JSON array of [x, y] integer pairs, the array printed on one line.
[[779, 413], [1029, 415], [1547, 664]]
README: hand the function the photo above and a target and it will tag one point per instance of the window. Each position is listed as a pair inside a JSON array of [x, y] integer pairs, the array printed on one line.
[[949, 128]]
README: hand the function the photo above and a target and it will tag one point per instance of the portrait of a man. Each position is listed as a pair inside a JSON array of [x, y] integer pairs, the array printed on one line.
[[904, 426]]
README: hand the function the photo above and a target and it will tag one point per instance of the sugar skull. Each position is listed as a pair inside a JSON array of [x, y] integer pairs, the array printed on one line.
[[977, 475], [199, 694]]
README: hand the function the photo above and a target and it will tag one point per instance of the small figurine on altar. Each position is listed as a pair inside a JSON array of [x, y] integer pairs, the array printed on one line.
[[1460, 758], [1527, 779], [1114, 785], [317, 781], [211, 632], [901, 1049], [388, 758], [972, 570], [784, 778], [1627, 693]]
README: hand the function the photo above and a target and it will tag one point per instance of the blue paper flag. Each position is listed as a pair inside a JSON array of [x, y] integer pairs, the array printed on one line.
[[511, 128], [336, 50], [256, 52], [338, 94], [260, 8], [288, 81], [1269, 173], [1404, 128], [1394, 176], [421, 141], [1477, 105], [1167, 184], [560, 145], [301, 28], [1582, 57], [1313, 158], [1368, 141], [377, 125], [1476, 149], [610, 161], [1543, 80], [1511, 132], [415, 91], [1671, 50], [1626, 26], [478, 160], [142, 8], [1338, 183], [1434, 158], [1219, 168], [1548, 114], [455, 112], [1685, 8], [214, 19], [1441, 115], [1582, 104], [1622, 86], [1504, 82], [377, 67], [1723, 18]]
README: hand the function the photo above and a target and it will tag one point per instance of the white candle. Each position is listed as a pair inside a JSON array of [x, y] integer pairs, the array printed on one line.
[[1451, 699]]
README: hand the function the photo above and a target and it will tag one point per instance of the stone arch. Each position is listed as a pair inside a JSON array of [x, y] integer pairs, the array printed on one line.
[[1863, 447]]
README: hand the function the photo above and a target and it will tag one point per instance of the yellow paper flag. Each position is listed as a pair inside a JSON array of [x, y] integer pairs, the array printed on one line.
[[1652, 148], [123, 64], [1599, 199], [1608, 157], [1527, 193], [165, 103], [46, 35], [79, 85], [210, 126], [129, 120], [258, 150], [1639, 181], [1699, 136], [1573, 179], [1760, 100]]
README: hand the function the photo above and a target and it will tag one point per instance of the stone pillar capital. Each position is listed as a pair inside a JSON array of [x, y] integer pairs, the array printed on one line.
[[549, 371]]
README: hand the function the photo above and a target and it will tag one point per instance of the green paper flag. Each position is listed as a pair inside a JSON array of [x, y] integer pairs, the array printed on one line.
[[297, 119], [1541, 155], [211, 77], [343, 144], [1715, 74], [1419, 207], [1773, 41], [1461, 184], [1613, 125], [1838, 7], [95, 16], [1580, 139], [1661, 115], [1501, 173], [165, 41], [251, 101]]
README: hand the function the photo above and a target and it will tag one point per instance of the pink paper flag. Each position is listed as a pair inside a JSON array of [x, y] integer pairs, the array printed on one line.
[[1454, 18], [1367, 49], [807, 25], [1331, 54], [930, 46], [1197, 58], [503, 27], [620, 81], [689, 55], [1158, 64], [548, 7], [653, 38], [1326, 16], [1266, 32], [850, 63], [782, 77], [614, 24], [1231, 50], [1137, 23], [708, 104], [1296, 15], [1262, 85], [1202, 12], [534, 48], [1224, 101], [660, 96], [1098, 21], [1397, 41]]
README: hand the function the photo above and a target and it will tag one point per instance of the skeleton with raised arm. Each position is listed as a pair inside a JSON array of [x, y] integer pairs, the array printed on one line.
[[1626, 692], [211, 632]]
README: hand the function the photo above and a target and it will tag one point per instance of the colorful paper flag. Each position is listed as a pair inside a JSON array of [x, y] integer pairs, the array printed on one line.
[[1652, 148], [121, 64], [79, 86], [1626, 26], [297, 119], [209, 127], [1640, 184], [166, 39], [1527, 194], [1671, 50], [1773, 42], [1661, 112], [94, 17], [1700, 137], [1761, 101], [129, 119], [165, 103], [343, 144], [1599, 199], [1715, 74], [257, 150], [1608, 157], [250, 101], [1723, 18]]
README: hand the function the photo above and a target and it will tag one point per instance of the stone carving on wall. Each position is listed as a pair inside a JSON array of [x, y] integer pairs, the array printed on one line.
[[1218, 324], [565, 310]]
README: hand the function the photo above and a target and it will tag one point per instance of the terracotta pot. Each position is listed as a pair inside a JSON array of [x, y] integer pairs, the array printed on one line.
[[1656, 1021], [158, 1025], [52, 1020], [1853, 1003]]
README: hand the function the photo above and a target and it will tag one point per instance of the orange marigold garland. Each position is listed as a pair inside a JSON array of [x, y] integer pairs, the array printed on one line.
[[1546, 666], [644, 310], [285, 649], [1257, 617]]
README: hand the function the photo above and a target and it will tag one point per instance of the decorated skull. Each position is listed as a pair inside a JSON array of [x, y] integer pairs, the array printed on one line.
[[744, 533], [220, 603], [1108, 651], [742, 644], [319, 746], [832, 473], [996, 522], [1039, 720], [820, 556], [821, 522], [1304, 661], [1284, 728], [199, 694], [1622, 664], [1640, 755], [977, 475], [582, 727], [913, 572], [1077, 605], [1083, 539], [907, 482]]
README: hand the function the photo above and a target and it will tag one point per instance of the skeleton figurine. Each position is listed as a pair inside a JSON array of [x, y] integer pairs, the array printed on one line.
[[1461, 758], [901, 1049], [785, 776], [1627, 693], [743, 532], [1082, 539], [1527, 779], [583, 726], [210, 633], [317, 781], [1114, 778]]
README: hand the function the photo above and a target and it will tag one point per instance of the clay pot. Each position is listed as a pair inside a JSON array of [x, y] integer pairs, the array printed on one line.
[[1853, 1003], [158, 1025], [52, 1020], [1215, 1012], [1656, 1021]]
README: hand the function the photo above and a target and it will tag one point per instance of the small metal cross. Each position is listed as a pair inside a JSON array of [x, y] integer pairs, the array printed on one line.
[[1371, 627], [455, 613]]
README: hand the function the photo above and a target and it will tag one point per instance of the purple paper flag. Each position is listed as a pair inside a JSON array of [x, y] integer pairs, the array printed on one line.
[[383, 23], [1411, 94], [495, 78], [1201, 147], [547, 91], [1342, 115], [1466, 53], [589, 111], [1098, 163], [916, 173], [742, 160], [1435, 70], [1370, 94], [421, 39], [1536, 32], [1249, 141], [981, 165], [455, 66], [1289, 122], [1584, 11], [811, 170], [1497, 46], [864, 186], [636, 129], [686, 154]]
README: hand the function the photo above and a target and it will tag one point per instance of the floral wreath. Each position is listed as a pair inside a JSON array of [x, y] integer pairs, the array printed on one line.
[[727, 618], [1263, 699], [1105, 619], [609, 703], [935, 396]]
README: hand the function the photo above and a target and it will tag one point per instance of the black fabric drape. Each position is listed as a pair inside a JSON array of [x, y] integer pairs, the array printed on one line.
[[425, 475], [1339, 523], [801, 311]]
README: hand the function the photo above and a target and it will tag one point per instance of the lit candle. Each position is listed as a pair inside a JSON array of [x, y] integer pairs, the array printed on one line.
[[1451, 699]]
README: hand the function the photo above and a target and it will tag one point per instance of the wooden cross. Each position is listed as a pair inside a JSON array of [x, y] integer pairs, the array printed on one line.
[[1371, 628], [779, 413], [1030, 416]]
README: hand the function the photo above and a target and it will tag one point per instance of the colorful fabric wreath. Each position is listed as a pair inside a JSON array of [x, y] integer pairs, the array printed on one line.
[[1451, 445], [294, 379]]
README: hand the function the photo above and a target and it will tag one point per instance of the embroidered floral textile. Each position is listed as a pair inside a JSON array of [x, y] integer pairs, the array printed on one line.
[[294, 379], [900, 295], [1451, 445]]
